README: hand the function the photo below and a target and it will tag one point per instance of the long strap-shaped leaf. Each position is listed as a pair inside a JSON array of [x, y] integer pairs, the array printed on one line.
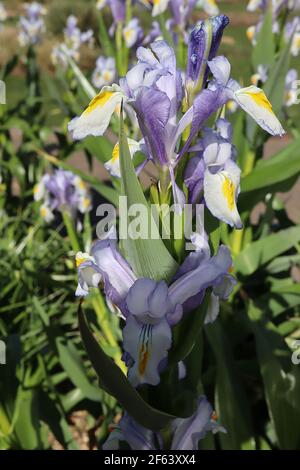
[[149, 257], [117, 385]]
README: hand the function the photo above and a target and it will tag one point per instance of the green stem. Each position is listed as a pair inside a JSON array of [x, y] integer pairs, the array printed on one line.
[[167, 36], [249, 162], [119, 48], [71, 230], [104, 37], [237, 240], [101, 312], [180, 51], [128, 10]]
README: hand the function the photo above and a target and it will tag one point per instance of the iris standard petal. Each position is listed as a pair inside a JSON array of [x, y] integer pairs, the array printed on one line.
[[205, 104], [220, 68], [117, 275], [138, 295], [153, 110]]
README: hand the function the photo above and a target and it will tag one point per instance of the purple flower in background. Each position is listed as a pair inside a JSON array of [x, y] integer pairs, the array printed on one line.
[[291, 88], [277, 5], [32, 25], [186, 432], [133, 33], [73, 39], [61, 191], [260, 76], [181, 12], [105, 71], [293, 31]]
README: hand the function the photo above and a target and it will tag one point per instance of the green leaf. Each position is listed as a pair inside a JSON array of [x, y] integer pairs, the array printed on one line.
[[275, 85], [283, 263], [280, 167], [51, 415], [264, 250], [281, 381], [116, 384], [104, 37], [232, 403], [264, 50], [72, 363], [100, 147], [88, 89], [274, 88], [186, 333], [148, 256], [27, 425]]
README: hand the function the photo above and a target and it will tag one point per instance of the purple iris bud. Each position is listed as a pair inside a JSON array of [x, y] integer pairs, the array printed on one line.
[[196, 49], [203, 45], [219, 23]]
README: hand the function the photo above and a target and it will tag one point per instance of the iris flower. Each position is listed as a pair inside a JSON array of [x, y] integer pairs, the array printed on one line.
[[105, 71], [61, 191], [154, 89], [32, 25], [185, 433], [214, 173], [150, 308], [133, 32]]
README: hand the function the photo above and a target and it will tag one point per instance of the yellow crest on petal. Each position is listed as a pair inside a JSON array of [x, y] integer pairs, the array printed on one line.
[[143, 359], [98, 101], [81, 258], [228, 190], [116, 152], [260, 99]]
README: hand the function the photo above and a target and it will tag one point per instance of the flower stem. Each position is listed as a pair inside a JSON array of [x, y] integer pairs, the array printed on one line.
[[71, 230], [119, 48], [249, 163], [101, 312]]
